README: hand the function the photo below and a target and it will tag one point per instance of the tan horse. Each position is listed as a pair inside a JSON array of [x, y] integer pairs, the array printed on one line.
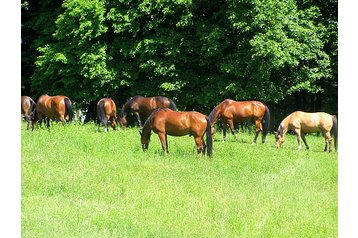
[[303, 122], [107, 112], [52, 107], [165, 122], [230, 112], [143, 107], [27, 107]]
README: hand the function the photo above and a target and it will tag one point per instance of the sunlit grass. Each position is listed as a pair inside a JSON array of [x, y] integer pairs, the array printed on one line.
[[77, 182]]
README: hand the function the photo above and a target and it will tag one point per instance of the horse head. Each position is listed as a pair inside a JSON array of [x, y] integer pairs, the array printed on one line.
[[122, 119], [144, 139], [279, 136]]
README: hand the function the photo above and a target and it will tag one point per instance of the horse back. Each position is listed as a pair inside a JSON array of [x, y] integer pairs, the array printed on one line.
[[109, 106], [51, 106], [311, 122], [243, 110], [179, 123]]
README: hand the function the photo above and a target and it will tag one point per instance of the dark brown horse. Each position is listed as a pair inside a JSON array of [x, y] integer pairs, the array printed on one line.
[[52, 107], [165, 122], [143, 107], [107, 112], [231, 112], [303, 122], [27, 107]]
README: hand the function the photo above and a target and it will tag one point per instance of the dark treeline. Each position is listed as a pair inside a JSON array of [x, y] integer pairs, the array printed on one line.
[[197, 52]]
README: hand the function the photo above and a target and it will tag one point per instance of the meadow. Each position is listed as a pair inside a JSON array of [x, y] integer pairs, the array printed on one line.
[[78, 182]]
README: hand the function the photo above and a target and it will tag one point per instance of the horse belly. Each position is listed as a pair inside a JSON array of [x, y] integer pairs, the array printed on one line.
[[310, 128], [177, 131]]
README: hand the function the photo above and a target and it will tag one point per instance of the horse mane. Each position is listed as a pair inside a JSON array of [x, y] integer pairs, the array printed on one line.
[[280, 130], [147, 124], [149, 120]]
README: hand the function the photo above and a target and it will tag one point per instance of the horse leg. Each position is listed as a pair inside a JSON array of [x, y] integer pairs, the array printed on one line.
[[204, 145], [28, 119], [303, 136], [163, 141], [166, 143], [298, 135], [107, 122], [232, 129], [114, 122], [224, 131], [138, 119], [48, 122], [328, 140], [257, 132], [199, 145]]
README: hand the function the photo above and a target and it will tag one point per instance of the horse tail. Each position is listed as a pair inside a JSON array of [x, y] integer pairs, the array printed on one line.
[[68, 108], [266, 121], [335, 131], [172, 105], [213, 116], [32, 105], [102, 114], [209, 138]]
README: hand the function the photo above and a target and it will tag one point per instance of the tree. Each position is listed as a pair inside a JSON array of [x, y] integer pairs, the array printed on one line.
[[195, 52]]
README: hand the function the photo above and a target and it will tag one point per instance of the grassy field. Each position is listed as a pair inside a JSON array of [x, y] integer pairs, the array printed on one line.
[[77, 182]]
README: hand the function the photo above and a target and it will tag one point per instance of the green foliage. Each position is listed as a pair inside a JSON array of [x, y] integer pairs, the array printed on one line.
[[265, 50]]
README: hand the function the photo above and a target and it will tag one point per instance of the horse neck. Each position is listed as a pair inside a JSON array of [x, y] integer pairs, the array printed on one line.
[[284, 125], [147, 127], [124, 109]]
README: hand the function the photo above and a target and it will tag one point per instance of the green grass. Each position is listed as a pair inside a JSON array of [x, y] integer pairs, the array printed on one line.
[[77, 182]]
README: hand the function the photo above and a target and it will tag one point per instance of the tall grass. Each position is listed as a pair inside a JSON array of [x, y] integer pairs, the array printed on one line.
[[77, 182]]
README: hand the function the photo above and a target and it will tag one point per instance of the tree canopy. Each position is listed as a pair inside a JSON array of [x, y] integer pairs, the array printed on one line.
[[197, 52]]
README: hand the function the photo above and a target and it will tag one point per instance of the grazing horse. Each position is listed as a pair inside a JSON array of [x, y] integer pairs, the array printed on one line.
[[27, 107], [143, 106], [52, 107], [107, 112], [231, 112], [165, 122], [303, 122]]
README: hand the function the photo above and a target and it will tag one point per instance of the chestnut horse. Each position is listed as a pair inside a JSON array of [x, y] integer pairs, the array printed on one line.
[[107, 112], [302, 123], [52, 107], [165, 122], [231, 112], [27, 107], [143, 107]]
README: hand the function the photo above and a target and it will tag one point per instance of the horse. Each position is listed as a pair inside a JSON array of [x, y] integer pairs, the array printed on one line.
[[107, 112], [230, 112], [52, 107], [165, 122], [27, 107], [302, 123], [143, 106]]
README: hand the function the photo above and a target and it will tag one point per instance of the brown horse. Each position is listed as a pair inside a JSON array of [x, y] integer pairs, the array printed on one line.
[[165, 122], [107, 112], [143, 107], [52, 107], [302, 123], [231, 112], [27, 107]]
